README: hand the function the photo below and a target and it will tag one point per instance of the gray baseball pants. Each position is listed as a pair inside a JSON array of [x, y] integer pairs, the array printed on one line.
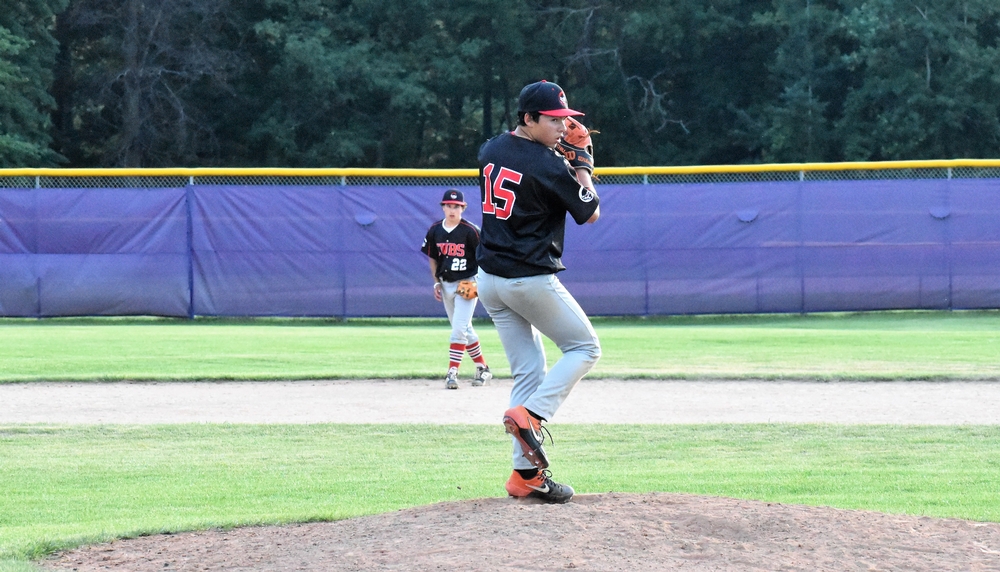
[[524, 309], [460, 312]]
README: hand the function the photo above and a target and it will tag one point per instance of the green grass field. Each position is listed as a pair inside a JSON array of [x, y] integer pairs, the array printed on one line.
[[63, 486], [889, 345]]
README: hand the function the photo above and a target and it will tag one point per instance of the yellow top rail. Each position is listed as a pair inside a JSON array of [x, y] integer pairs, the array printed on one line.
[[786, 167], [358, 172]]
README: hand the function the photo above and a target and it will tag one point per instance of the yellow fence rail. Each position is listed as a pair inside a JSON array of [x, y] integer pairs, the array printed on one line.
[[180, 176], [438, 173]]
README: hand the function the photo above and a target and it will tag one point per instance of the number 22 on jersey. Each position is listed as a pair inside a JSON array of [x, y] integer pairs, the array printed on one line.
[[494, 191]]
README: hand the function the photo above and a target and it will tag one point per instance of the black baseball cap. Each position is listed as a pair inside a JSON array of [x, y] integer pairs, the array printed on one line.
[[546, 98], [453, 197]]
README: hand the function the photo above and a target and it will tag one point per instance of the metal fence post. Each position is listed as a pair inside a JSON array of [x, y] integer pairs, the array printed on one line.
[[189, 209]]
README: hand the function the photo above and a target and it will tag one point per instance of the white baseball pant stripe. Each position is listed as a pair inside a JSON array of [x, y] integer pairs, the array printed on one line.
[[524, 309]]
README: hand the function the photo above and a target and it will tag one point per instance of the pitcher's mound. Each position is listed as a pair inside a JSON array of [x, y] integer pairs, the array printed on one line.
[[593, 532]]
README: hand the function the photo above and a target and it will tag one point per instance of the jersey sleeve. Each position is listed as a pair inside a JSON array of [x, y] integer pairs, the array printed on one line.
[[472, 240], [428, 247], [579, 201]]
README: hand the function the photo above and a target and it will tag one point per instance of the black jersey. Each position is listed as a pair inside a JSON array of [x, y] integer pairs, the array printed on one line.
[[454, 250], [527, 189]]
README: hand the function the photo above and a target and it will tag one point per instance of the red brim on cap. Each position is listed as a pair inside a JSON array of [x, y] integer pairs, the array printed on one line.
[[453, 203], [561, 112]]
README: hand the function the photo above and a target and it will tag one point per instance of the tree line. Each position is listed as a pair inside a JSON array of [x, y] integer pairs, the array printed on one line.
[[422, 83]]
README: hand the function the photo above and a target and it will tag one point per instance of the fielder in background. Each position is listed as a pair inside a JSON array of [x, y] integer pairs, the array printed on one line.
[[451, 246], [530, 179]]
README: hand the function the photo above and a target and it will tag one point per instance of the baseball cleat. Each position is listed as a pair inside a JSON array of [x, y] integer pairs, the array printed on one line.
[[528, 432], [483, 375], [451, 381], [541, 487]]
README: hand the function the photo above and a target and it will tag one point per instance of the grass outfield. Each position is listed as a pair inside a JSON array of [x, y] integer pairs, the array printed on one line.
[[63, 486], [884, 345]]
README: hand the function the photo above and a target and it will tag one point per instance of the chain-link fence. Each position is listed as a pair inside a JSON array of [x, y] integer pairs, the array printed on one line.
[[286, 242], [166, 178]]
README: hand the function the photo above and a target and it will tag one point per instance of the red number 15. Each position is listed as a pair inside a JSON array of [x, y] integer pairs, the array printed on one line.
[[493, 190]]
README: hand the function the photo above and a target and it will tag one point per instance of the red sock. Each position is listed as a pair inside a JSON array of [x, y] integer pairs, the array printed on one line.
[[475, 353], [455, 355]]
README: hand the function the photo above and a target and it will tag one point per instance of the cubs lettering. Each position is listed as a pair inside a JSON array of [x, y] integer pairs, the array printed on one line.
[[450, 249], [453, 250]]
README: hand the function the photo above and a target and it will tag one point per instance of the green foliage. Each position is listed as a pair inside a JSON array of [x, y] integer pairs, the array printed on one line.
[[144, 83], [798, 123], [346, 84], [927, 72], [422, 83], [27, 54], [384, 84], [665, 81]]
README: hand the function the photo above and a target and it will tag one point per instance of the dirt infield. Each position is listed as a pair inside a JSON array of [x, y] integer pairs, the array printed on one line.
[[593, 532], [423, 401]]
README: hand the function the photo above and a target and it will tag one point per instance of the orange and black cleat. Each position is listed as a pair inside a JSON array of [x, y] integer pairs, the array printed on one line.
[[528, 432], [541, 487]]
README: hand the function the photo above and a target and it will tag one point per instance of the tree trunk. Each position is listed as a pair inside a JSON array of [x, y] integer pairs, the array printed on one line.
[[62, 92], [128, 152], [487, 107]]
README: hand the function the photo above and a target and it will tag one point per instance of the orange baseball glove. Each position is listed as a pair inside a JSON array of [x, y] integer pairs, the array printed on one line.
[[577, 146], [467, 289]]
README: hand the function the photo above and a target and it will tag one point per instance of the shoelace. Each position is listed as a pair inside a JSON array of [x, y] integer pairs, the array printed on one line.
[[542, 428]]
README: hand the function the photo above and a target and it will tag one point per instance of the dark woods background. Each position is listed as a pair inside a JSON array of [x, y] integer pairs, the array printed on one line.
[[421, 83]]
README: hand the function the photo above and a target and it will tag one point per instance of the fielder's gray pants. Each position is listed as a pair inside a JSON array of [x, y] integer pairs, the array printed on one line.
[[460, 312], [524, 309]]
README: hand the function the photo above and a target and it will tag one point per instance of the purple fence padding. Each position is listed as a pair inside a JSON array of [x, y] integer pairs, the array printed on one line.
[[313, 251], [354, 251], [267, 251], [18, 289], [789, 247], [104, 252]]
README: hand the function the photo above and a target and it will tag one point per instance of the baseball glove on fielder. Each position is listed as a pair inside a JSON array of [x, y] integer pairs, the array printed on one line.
[[467, 289], [577, 146]]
